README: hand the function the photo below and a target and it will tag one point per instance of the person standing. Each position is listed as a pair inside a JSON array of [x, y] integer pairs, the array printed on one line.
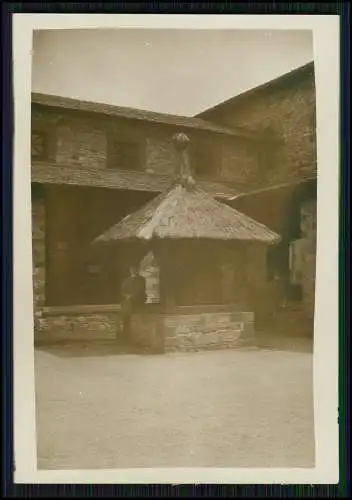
[[133, 297]]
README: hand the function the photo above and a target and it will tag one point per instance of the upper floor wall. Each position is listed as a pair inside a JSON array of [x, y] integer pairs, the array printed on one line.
[[75, 139], [283, 112]]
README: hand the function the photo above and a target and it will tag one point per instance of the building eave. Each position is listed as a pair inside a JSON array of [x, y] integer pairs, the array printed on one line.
[[53, 174], [55, 102], [276, 187]]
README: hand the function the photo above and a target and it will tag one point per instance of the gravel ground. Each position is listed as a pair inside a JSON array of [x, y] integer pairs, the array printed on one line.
[[97, 408]]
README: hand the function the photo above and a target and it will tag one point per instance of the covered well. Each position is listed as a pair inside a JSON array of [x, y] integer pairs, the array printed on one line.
[[200, 244]]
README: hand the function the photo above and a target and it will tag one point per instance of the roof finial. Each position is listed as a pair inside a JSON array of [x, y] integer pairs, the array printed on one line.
[[181, 142]]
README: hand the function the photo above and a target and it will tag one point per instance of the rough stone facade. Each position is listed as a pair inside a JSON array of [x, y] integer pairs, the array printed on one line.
[[208, 331], [53, 326], [283, 112], [38, 259], [238, 158], [194, 331], [303, 251], [309, 210], [160, 155], [160, 333], [157, 333], [77, 140], [80, 142]]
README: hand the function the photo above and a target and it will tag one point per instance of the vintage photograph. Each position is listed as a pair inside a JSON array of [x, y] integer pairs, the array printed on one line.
[[173, 202]]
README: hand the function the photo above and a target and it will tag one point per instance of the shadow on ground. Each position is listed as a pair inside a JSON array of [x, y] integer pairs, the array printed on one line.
[[113, 348], [284, 342], [88, 349]]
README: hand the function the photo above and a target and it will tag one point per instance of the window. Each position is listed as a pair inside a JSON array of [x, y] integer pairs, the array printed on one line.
[[125, 156], [204, 164], [39, 146]]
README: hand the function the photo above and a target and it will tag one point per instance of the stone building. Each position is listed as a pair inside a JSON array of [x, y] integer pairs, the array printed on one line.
[[94, 163], [91, 165], [281, 189]]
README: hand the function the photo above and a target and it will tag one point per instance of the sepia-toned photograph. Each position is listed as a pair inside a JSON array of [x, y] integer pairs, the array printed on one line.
[[174, 228], [169, 267]]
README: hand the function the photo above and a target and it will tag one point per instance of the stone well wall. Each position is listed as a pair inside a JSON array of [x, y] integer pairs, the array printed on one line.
[[182, 329], [159, 333], [73, 324], [194, 330]]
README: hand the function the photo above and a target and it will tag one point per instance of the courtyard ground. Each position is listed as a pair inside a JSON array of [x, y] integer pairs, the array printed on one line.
[[99, 408]]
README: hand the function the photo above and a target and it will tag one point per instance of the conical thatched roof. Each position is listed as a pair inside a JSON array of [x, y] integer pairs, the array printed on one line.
[[185, 211]]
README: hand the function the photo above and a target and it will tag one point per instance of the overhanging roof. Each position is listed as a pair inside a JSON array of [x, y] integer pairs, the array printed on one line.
[[45, 173], [276, 187], [187, 213], [59, 102]]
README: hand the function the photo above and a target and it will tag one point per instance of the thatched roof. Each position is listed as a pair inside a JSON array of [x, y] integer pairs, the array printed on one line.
[[187, 212]]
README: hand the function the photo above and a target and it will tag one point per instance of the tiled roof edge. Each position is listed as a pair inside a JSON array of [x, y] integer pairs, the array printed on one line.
[[54, 101]]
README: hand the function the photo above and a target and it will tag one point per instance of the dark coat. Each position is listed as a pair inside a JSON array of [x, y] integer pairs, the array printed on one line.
[[133, 293]]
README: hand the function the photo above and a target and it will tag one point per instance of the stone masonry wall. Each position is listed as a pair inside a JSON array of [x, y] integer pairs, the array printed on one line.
[[60, 327], [76, 140], [195, 331], [283, 112], [81, 142], [38, 258], [49, 324], [157, 333], [288, 110], [208, 331], [160, 155], [303, 253], [183, 332], [81, 326], [238, 158], [309, 256]]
